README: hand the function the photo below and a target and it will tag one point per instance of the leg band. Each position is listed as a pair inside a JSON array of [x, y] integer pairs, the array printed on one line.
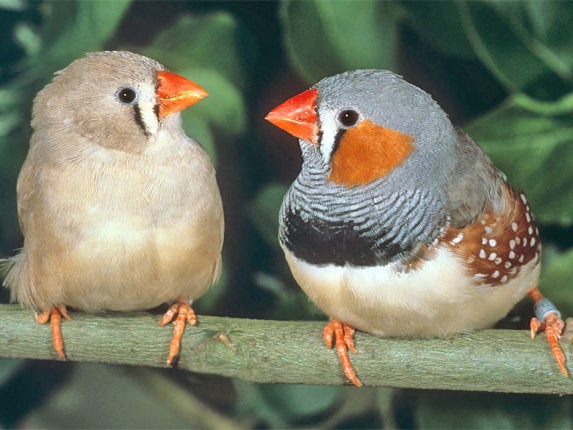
[[545, 307]]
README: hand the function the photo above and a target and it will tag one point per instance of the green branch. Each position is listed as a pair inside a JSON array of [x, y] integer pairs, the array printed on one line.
[[293, 352]]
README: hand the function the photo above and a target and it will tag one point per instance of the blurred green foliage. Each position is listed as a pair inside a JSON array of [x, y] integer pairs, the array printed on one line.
[[503, 70]]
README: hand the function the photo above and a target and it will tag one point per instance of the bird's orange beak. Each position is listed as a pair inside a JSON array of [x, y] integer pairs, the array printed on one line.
[[297, 116], [176, 93]]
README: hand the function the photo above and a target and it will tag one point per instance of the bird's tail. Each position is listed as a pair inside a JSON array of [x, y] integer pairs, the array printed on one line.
[[11, 270]]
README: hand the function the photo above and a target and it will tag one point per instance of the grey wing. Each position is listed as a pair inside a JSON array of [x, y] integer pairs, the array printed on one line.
[[475, 183]]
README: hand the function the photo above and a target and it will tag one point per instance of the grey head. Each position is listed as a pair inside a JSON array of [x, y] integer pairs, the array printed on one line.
[[387, 100]]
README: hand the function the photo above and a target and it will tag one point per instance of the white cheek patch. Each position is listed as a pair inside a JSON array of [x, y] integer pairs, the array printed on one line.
[[149, 117], [147, 107], [329, 131]]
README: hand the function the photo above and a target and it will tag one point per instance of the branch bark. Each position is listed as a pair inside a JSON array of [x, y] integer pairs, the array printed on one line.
[[293, 352]]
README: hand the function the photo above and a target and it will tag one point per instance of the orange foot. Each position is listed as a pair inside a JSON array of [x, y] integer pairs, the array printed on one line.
[[55, 315], [548, 318], [185, 314], [343, 342]]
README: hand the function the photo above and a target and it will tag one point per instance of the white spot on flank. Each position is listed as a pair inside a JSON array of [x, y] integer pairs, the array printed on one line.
[[503, 279], [498, 260], [527, 217], [521, 258], [532, 242], [457, 239], [488, 229], [492, 256], [481, 253], [514, 226], [512, 244], [495, 274], [492, 242], [523, 198], [483, 241], [511, 255], [507, 265], [530, 230]]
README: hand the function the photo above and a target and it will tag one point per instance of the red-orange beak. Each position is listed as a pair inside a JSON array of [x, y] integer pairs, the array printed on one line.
[[176, 93], [297, 116]]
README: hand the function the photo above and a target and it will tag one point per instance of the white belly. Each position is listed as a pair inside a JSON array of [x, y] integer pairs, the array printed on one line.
[[125, 265], [438, 299]]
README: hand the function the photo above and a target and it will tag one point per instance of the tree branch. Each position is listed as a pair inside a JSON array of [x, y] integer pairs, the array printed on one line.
[[293, 352]]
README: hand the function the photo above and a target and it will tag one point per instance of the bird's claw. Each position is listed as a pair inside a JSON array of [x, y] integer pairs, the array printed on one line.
[[343, 341], [185, 314], [553, 327], [55, 315], [548, 319]]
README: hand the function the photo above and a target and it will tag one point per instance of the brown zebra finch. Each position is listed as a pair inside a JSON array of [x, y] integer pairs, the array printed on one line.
[[120, 210], [398, 223]]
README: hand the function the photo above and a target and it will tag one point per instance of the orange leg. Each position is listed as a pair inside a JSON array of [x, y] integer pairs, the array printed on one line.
[[185, 314], [343, 342], [547, 318], [55, 317]]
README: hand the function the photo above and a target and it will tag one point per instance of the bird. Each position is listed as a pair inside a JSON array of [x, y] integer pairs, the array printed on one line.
[[399, 224], [120, 210]]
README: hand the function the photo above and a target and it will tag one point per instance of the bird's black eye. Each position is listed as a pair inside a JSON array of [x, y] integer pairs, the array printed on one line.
[[348, 118], [127, 95]]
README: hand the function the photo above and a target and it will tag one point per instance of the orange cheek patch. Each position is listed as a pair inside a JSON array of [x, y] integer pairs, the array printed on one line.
[[368, 152]]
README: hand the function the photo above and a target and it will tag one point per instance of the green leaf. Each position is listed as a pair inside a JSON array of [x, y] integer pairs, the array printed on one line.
[[439, 24], [325, 37], [204, 42], [520, 42], [13, 5], [70, 29], [28, 39], [533, 145], [224, 108]]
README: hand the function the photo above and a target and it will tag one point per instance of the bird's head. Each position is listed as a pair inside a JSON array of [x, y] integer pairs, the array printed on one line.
[[368, 125], [115, 99]]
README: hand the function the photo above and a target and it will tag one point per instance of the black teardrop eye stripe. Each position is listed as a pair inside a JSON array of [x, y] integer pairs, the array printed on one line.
[[139, 119]]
